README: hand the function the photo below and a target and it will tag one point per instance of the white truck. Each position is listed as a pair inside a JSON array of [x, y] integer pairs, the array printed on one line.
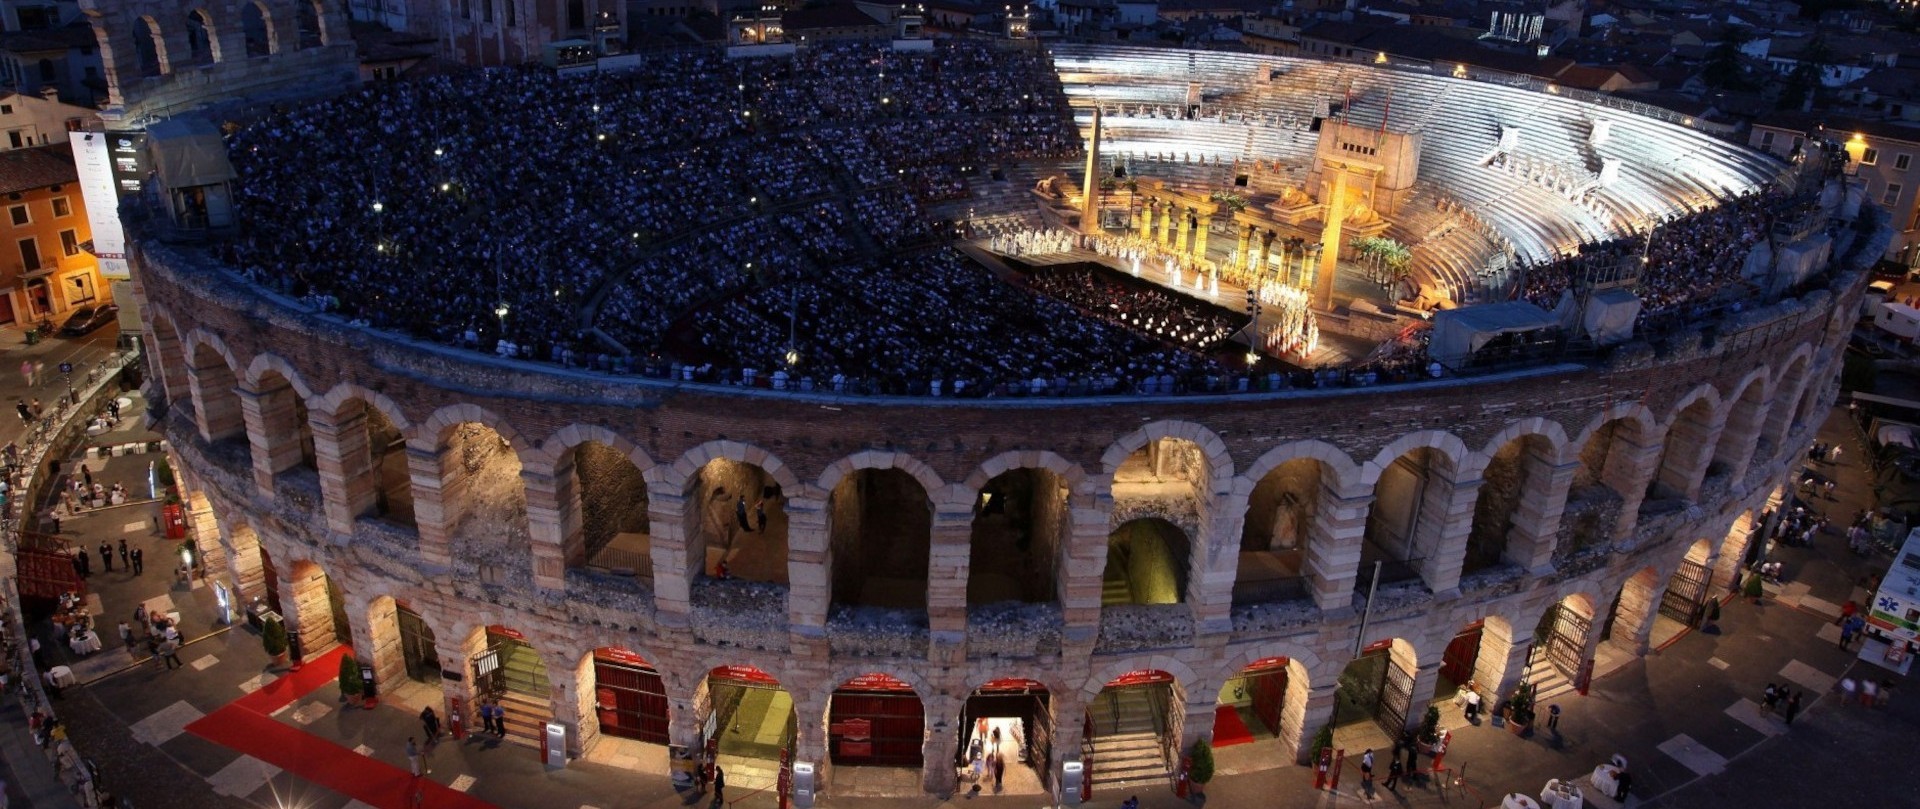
[[1894, 615]]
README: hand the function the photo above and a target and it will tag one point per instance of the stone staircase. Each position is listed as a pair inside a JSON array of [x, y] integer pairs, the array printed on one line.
[[528, 707], [1125, 744]]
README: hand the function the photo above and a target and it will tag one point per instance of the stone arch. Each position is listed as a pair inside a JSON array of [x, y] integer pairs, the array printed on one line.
[[1416, 523], [308, 28], [1217, 461], [1630, 622], [1565, 634], [1731, 557], [432, 434], [1090, 687], [203, 38], [628, 684], [399, 647], [345, 392], [317, 606], [1361, 693], [594, 481], [264, 363], [1290, 494], [906, 674], [1785, 394], [880, 556], [360, 451], [256, 29], [703, 492], [473, 505], [682, 471], [1149, 560], [1686, 586], [1742, 431], [551, 450], [212, 379], [1692, 430], [149, 47], [1617, 455], [979, 676], [1512, 519], [278, 424], [1293, 703], [1021, 528]]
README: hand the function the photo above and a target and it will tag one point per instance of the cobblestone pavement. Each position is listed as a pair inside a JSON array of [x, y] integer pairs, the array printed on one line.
[[1681, 715]]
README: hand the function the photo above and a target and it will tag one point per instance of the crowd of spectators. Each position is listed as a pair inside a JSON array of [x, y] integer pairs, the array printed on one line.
[[1147, 308], [1692, 259]]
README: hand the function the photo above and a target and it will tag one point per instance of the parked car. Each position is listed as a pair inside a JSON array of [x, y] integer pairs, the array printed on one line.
[[87, 318]]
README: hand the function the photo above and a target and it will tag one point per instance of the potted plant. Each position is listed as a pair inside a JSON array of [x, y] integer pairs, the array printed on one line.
[[1520, 710], [350, 682], [1753, 588], [1430, 726], [273, 636], [1321, 741], [1202, 770]]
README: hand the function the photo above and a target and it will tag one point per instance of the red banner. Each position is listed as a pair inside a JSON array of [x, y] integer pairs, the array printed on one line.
[[853, 749], [1014, 684], [1141, 677], [852, 729], [617, 655], [744, 674], [876, 682], [1265, 664], [497, 629]]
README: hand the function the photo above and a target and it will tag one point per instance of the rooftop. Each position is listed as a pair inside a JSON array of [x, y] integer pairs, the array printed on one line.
[[38, 167]]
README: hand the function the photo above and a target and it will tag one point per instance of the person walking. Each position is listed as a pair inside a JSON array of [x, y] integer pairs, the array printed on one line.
[[26, 371], [1886, 694], [86, 474], [106, 556], [1869, 692], [170, 652], [1553, 718], [1393, 776], [1793, 706], [719, 785], [1366, 773], [138, 562], [740, 513], [26, 414], [413, 758], [1770, 698], [430, 722], [999, 769], [126, 634]]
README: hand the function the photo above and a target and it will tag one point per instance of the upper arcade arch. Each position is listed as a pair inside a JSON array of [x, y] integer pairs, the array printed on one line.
[[593, 481], [1617, 456], [257, 32], [211, 376], [1784, 396], [474, 505], [361, 454], [1022, 525], [1692, 431], [1212, 465], [1742, 436], [203, 39], [880, 521], [1417, 524]]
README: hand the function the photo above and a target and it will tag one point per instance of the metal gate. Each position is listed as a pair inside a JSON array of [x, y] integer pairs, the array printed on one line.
[[1686, 591], [1567, 639], [488, 677], [1396, 696], [417, 648]]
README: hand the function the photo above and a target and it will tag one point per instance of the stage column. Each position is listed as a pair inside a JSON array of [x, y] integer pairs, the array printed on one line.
[[1259, 269], [1203, 228], [1240, 257], [1166, 224], [1182, 227], [1146, 220]]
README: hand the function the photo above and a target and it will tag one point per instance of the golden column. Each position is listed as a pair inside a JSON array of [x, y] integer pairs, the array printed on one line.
[[1202, 228], [1181, 227], [1240, 258], [1090, 183], [1146, 220], [1330, 239]]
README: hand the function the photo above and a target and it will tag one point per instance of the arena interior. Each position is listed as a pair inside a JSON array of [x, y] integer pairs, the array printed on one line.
[[842, 408]]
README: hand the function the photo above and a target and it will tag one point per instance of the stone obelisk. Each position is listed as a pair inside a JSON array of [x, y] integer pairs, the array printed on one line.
[[1090, 183]]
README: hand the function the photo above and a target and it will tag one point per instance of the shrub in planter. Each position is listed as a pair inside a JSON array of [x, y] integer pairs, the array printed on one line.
[[1520, 709], [273, 637], [1430, 726], [1321, 741], [1202, 770], [350, 683]]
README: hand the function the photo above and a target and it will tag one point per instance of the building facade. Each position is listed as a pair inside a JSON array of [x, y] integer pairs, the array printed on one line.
[[44, 270]]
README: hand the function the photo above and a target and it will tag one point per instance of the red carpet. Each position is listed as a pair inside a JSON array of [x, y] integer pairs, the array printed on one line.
[[1228, 730], [247, 725]]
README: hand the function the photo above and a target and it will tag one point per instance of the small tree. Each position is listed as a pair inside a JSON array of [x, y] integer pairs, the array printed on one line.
[[1202, 771], [1430, 725], [273, 637], [1321, 741], [350, 683]]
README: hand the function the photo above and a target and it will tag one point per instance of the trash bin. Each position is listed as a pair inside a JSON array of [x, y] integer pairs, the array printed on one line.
[[33, 336]]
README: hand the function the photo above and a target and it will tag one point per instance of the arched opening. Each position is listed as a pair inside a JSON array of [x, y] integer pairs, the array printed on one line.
[[216, 405], [1011, 718], [1376, 691], [1685, 456], [285, 438], [320, 614], [1734, 552], [612, 498], [1516, 466], [1788, 392], [199, 38], [402, 645], [147, 45], [629, 696], [747, 725], [1407, 517], [307, 16], [1147, 563], [1459, 662], [418, 651], [373, 459], [1257, 704], [1281, 513], [255, 27], [876, 720], [736, 514], [509, 671], [1684, 602], [1740, 437], [881, 526], [1602, 483], [1020, 524], [485, 503], [1560, 640], [1133, 725], [1160, 474]]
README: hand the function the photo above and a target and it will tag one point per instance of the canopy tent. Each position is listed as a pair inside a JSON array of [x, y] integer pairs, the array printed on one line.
[[188, 152], [1610, 316], [1458, 333]]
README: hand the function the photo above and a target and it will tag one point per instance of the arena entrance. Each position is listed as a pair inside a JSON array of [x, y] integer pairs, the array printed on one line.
[[876, 730], [1011, 717], [1458, 661], [1130, 736], [1561, 637], [1685, 600], [1251, 703], [1146, 564], [416, 646], [320, 611], [629, 698], [510, 670], [748, 726], [1376, 691]]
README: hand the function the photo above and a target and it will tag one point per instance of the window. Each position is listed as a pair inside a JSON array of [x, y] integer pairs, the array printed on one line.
[[1892, 195], [1902, 161], [1870, 156], [69, 243], [19, 215], [61, 207], [6, 109], [1766, 141], [14, 140], [29, 254]]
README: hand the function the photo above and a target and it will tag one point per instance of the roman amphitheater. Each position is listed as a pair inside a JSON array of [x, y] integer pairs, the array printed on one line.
[[868, 579]]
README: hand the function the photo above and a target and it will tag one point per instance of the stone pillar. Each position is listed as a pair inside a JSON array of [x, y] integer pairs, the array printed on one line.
[[553, 523], [1202, 230], [1446, 520], [1198, 724], [1426, 680], [1167, 217], [677, 559], [1146, 220], [244, 563], [273, 430], [809, 572], [216, 408], [937, 775], [1740, 436], [436, 508], [1241, 258], [1629, 466], [1266, 248], [1069, 727], [1211, 575], [349, 486], [565, 702], [1083, 564], [205, 531], [1333, 548], [1536, 517], [382, 646], [1316, 714], [1689, 447], [457, 656], [1733, 551], [1639, 603], [1502, 661], [950, 546], [1182, 228]]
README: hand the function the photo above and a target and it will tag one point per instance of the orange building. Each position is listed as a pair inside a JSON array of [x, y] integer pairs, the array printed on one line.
[[44, 272]]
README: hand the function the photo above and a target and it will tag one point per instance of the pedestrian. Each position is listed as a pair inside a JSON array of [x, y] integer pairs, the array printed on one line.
[[138, 565], [170, 651], [33, 650], [1833, 454], [1553, 718], [719, 785], [1393, 776], [1886, 694], [126, 634], [1851, 629], [37, 408], [26, 371], [1847, 689], [430, 722], [413, 757], [26, 413], [740, 513], [499, 719], [1770, 697], [1366, 773], [87, 475], [81, 565], [760, 516], [106, 556], [1828, 486], [1793, 706], [123, 554], [1869, 692], [1846, 611], [999, 770]]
